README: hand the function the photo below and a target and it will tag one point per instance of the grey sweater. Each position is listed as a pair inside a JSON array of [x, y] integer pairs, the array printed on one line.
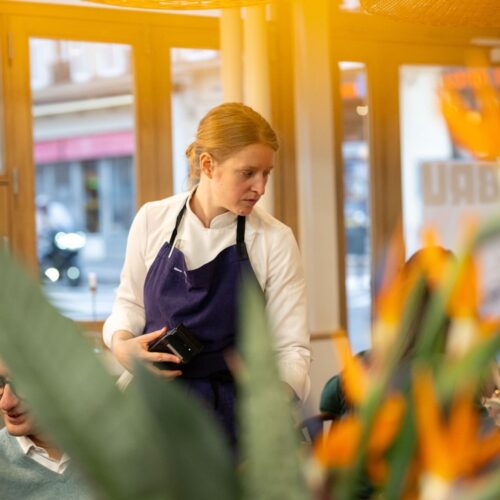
[[23, 478]]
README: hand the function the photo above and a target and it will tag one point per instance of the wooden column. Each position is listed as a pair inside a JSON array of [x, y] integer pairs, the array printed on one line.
[[231, 46], [256, 76]]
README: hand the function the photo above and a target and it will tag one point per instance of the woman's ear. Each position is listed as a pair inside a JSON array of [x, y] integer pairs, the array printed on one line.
[[207, 164]]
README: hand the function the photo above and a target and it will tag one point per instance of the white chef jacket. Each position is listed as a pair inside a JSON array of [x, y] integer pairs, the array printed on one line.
[[273, 254]]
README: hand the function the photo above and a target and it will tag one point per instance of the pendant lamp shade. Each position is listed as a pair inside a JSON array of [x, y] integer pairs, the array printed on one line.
[[463, 13], [181, 4]]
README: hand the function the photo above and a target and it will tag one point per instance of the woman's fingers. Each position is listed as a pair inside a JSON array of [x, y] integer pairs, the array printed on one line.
[[148, 337], [155, 357], [126, 349], [158, 357], [168, 374]]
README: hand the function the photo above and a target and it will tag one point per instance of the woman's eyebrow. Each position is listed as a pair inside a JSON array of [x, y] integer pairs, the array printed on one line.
[[252, 167]]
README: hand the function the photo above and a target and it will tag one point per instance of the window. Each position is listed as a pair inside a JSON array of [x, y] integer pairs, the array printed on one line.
[[355, 156], [94, 107], [196, 88], [446, 180], [83, 129]]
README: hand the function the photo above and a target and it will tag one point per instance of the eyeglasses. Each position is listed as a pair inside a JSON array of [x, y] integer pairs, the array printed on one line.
[[3, 382]]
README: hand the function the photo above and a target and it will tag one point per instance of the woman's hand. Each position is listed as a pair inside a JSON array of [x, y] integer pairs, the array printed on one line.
[[126, 347]]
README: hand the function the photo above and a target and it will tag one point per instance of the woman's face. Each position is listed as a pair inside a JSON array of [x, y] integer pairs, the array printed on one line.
[[239, 181]]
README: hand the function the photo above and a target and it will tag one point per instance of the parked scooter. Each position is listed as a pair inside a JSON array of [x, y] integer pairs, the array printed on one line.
[[60, 262], [58, 243]]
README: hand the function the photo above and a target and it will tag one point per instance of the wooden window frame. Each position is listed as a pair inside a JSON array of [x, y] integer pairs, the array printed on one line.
[[383, 56], [151, 37]]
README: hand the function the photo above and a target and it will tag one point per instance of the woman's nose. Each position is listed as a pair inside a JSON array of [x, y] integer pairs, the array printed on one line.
[[260, 184]]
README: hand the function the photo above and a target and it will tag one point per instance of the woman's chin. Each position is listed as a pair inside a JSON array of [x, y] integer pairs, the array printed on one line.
[[244, 211]]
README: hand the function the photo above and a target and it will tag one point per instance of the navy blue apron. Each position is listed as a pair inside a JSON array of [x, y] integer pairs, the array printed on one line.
[[205, 300]]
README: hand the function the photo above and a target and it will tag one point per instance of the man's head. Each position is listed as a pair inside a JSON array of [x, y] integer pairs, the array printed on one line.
[[16, 418]]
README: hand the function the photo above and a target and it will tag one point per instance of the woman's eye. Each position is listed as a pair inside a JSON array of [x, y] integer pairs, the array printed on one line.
[[247, 173]]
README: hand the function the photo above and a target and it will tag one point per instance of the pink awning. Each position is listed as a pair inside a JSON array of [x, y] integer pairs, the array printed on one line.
[[85, 147]]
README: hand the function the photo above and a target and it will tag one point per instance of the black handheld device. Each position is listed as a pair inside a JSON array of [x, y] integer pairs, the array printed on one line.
[[179, 341]]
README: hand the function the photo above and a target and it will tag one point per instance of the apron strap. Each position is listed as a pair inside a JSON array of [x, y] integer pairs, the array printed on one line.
[[240, 238], [240, 232], [177, 223]]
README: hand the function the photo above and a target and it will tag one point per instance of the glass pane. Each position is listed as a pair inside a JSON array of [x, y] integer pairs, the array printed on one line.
[[84, 159], [446, 138], [355, 153], [196, 87]]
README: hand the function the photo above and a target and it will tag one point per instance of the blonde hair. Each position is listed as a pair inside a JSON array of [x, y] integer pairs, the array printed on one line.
[[225, 130]]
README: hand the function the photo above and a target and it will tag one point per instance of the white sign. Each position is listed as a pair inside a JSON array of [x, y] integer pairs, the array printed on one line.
[[453, 192]]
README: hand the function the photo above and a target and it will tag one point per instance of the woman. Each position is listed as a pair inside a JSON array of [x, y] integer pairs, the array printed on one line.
[[184, 257]]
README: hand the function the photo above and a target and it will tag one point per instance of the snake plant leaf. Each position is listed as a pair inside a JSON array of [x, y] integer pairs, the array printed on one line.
[[199, 464], [269, 441], [72, 397]]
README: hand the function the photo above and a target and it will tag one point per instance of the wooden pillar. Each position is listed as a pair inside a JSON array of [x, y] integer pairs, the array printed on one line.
[[315, 158], [231, 55], [256, 76]]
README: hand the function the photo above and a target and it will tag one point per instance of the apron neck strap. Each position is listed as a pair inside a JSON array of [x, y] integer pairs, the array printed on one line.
[[240, 232], [177, 223], [240, 238]]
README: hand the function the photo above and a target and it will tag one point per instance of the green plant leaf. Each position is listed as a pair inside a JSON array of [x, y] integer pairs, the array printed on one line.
[[401, 455], [471, 369], [488, 230], [486, 487], [72, 397], [269, 441], [198, 464]]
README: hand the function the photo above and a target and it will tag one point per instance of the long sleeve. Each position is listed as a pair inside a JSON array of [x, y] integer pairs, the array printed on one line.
[[286, 306], [128, 308]]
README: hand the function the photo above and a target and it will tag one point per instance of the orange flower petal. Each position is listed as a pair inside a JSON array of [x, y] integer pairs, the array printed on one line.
[[378, 470], [338, 448], [432, 434], [462, 429], [354, 376], [465, 298], [386, 424], [433, 261], [489, 327]]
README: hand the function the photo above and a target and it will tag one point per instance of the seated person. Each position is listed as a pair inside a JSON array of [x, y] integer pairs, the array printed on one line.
[[30, 467], [333, 403]]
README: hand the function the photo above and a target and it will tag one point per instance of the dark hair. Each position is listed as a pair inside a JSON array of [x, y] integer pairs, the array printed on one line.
[[413, 268]]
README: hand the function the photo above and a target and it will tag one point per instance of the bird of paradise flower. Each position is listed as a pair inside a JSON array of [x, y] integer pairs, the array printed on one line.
[[424, 439], [451, 447]]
